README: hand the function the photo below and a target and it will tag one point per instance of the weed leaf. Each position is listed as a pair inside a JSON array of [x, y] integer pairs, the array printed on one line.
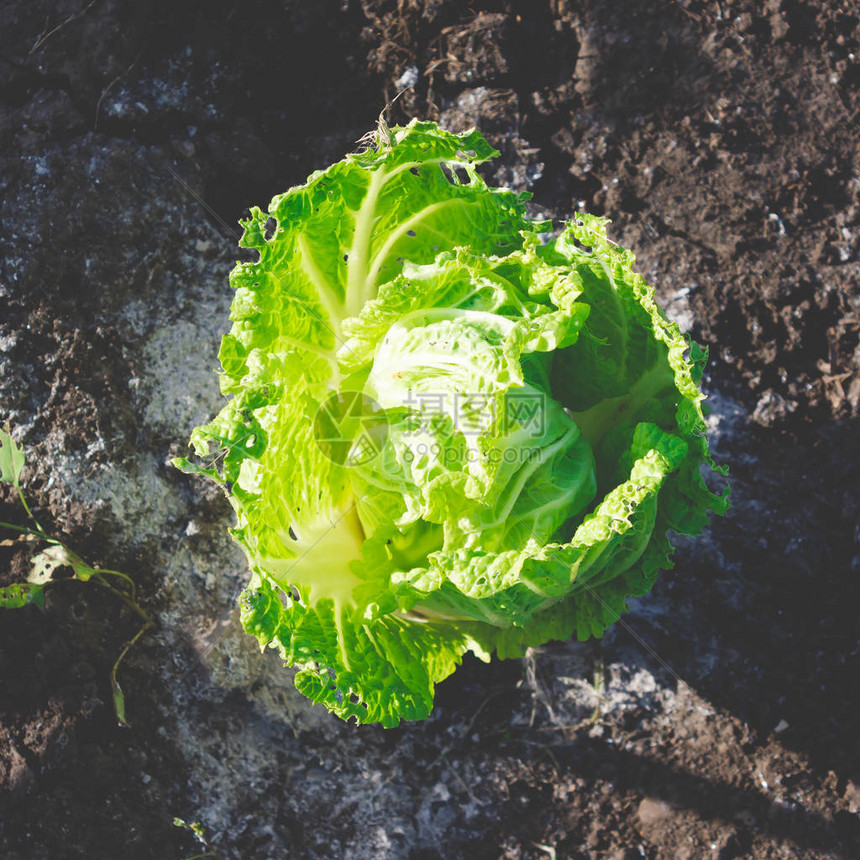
[[46, 562], [11, 459], [18, 595]]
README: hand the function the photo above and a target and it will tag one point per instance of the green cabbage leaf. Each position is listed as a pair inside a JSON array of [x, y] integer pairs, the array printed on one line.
[[449, 430]]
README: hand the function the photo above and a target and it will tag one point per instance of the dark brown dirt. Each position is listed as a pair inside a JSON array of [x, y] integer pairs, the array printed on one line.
[[722, 140]]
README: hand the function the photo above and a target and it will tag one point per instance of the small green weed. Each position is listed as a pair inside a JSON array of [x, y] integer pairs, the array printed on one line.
[[55, 555], [199, 832]]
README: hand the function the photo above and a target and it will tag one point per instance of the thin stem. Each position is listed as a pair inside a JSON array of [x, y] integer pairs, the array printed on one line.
[[131, 604], [39, 528], [118, 697], [24, 530], [148, 622], [120, 574]]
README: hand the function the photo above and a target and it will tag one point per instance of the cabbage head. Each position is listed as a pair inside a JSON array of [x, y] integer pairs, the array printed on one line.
[[450, 428]]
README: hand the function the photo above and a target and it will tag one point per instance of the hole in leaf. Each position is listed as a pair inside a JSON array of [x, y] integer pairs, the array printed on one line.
[[270, 229], [448, 173], [414, 171], [411, 233], [293, 535], [462, 175]]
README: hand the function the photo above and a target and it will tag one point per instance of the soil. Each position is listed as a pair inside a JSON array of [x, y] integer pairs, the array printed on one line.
[[718, 719]]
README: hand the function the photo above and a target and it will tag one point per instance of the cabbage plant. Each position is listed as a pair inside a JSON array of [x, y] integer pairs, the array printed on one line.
[[450, 428]]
